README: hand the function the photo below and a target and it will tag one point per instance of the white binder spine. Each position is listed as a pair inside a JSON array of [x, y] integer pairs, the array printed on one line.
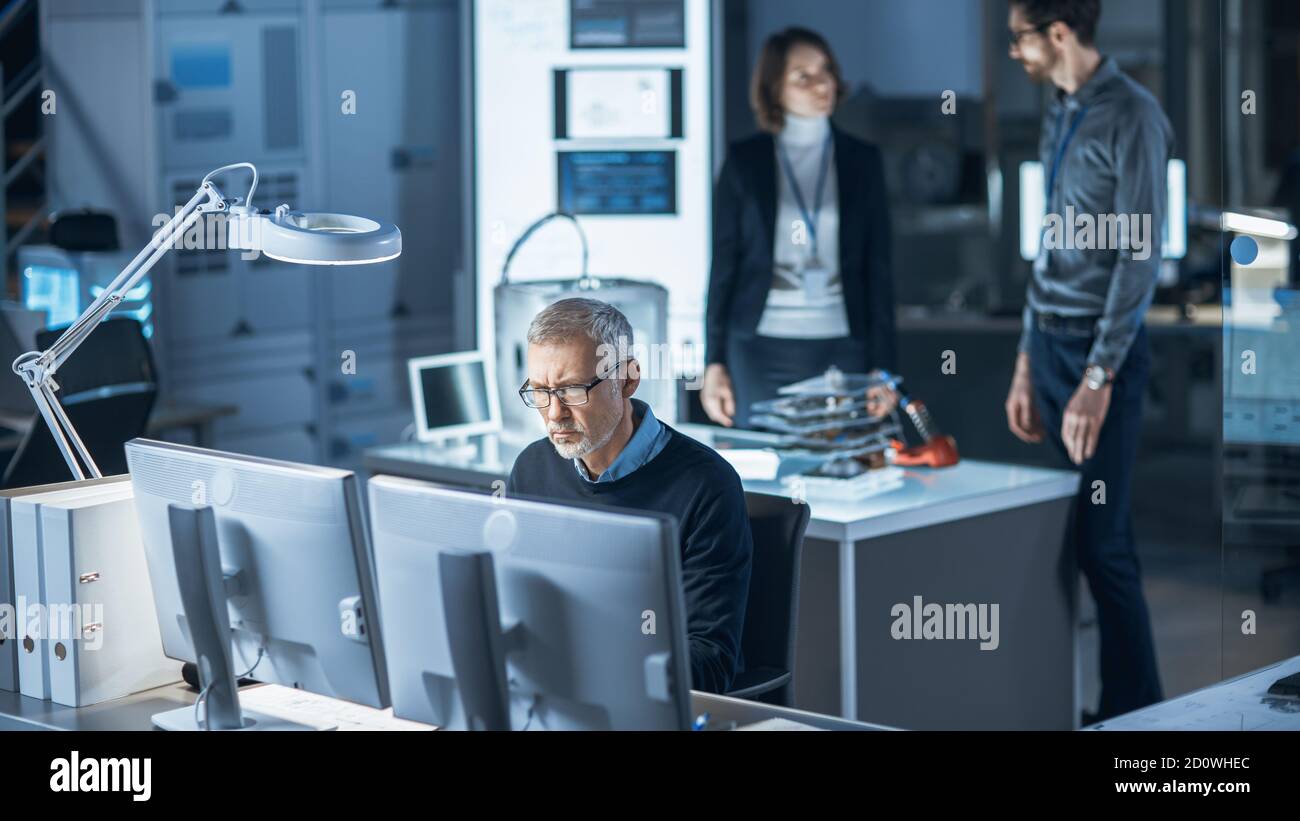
[[9, 614], [103, 638], [33, 675], [22, 506], [98, 589]]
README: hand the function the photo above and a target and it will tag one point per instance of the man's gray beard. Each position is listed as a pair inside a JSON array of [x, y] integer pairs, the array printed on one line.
[[586, 445], [576, 450]]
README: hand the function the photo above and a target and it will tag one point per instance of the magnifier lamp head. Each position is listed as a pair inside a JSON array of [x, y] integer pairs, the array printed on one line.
[[317, 238]]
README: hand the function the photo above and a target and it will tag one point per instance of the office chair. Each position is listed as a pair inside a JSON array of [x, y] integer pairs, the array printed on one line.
[[772, 613], [108, 391], [116, 354]]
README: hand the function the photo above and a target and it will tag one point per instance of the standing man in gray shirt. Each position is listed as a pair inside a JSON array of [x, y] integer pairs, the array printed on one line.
[[1082, 364]]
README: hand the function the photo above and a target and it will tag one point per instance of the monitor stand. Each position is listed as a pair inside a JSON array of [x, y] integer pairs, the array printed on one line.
[[197, 556], [474, 636]]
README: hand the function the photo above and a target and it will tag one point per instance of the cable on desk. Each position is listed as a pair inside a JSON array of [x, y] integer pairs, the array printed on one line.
[[261, 651], [532, 710]]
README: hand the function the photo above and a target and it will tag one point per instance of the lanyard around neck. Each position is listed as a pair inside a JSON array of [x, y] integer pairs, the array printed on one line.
[[809, 217], [1060, 151]]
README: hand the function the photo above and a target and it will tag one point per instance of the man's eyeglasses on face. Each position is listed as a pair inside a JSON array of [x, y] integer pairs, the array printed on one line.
[[567, 394], [1016, 36]]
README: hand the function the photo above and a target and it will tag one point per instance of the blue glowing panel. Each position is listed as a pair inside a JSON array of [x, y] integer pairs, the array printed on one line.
[[617, 182], [201, 65], [627, 24], [1033, 210], [51, 289]]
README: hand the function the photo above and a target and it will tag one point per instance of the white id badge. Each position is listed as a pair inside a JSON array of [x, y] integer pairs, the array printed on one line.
[[816, 282]]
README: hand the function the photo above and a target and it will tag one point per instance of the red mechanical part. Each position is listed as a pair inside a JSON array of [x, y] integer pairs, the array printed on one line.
[[939, 452]]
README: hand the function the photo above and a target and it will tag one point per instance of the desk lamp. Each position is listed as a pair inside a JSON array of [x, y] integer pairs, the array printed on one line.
[[282, 234]]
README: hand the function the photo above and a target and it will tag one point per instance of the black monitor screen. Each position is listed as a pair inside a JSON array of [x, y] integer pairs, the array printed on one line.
[[455, 394]]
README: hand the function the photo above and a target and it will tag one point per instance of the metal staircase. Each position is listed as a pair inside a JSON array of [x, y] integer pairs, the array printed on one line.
[[22, 134]]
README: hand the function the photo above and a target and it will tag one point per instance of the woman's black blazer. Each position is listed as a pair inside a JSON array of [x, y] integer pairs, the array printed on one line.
[[744, 218]]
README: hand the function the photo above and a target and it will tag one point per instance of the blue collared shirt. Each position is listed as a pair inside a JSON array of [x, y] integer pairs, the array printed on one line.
[[647, 441], [1114, 165]]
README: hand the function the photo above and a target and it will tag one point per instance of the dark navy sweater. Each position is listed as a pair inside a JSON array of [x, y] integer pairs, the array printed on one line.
[[702, 492]]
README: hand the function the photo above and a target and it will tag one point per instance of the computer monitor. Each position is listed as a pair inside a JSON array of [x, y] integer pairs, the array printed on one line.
[[454, 395], [1033, 210], [592, 620], [277, 560]]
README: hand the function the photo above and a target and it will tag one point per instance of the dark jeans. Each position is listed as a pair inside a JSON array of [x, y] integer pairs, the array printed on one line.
[[758, 365], [1103, 533]]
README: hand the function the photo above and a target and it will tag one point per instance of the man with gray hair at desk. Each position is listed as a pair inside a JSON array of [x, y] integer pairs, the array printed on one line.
[[605, 447]]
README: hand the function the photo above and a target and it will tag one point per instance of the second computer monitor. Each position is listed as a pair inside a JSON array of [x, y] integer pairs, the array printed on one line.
[[454, 395], [294, 551], [594, 596]]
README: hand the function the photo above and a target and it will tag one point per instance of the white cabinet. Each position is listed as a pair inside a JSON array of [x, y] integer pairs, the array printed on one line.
[[262, 81], [392, 150]]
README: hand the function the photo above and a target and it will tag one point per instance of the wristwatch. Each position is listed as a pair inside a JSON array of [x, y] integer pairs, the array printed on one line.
[[1098, 377]]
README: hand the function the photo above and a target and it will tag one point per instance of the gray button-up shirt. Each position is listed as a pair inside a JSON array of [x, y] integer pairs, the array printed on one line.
[[1112, 174]]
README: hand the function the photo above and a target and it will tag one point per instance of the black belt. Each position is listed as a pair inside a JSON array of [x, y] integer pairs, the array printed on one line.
[[1062, 324]]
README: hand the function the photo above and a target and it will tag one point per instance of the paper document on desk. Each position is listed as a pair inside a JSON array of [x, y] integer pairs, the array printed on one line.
[[778, 725], [752, 464], [321, 711]]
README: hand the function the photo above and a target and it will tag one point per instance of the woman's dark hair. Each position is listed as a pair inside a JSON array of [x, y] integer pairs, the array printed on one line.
[[769, 74]]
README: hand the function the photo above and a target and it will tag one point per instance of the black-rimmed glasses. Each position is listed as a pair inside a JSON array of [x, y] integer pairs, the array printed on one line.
[[1016, 36], [567, 394]]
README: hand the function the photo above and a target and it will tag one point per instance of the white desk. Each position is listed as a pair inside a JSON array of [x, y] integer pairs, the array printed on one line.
[[977, 532], [1241, 703], [135, 712]]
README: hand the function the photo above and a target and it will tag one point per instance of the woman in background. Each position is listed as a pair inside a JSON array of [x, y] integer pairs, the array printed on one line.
[[800, 276]]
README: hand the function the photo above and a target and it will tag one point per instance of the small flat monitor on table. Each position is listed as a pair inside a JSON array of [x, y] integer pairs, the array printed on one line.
[[454, 396]]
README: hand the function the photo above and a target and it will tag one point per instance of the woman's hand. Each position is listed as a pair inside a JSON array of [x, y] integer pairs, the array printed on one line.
[[881, 400], [717, 396]]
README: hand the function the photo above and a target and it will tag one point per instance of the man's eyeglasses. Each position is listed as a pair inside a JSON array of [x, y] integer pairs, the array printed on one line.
[[568, 394], [1016, 36]]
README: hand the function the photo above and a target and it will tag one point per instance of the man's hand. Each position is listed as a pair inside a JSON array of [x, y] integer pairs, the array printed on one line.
[[1022, 416], [717, 396], [1081, 424]]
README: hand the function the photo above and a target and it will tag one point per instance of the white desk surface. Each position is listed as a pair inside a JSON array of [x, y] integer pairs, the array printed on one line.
[[929, 496], [135, 712], [1240, 703]]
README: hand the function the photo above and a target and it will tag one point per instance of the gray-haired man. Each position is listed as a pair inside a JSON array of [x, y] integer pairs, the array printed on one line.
[[605, 447]]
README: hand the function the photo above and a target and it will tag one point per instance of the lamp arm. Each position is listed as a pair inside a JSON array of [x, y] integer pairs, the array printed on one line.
[[56, 419], [37, 369], [113, 293]]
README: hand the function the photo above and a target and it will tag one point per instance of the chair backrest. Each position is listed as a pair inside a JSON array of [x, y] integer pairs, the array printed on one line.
[[777, 524], [105, 423], [116, 353], [108, 389]]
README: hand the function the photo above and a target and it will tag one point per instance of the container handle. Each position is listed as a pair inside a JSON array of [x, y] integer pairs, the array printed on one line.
[[583, 279]]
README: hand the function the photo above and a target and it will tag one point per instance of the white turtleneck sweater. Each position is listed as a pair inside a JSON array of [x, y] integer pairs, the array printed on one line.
[[789, 313]]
